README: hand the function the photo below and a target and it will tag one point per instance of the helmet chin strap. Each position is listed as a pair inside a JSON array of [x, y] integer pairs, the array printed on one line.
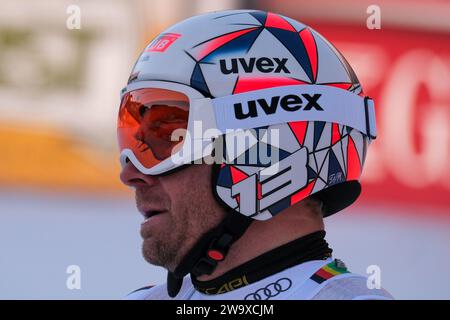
[[208, 251]]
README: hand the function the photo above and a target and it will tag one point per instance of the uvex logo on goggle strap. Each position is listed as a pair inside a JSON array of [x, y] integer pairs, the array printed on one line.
[[263, 64], [290, 102]]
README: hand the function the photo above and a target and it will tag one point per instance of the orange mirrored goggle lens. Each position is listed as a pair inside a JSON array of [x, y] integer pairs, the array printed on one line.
[[147, 119]]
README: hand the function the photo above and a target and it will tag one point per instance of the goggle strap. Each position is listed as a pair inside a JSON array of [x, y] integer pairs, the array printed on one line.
[[294, 103]]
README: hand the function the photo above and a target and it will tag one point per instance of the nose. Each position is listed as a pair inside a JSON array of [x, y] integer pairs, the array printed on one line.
[[132, 177]]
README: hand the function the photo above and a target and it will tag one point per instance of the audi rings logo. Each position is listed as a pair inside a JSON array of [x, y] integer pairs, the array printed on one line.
[[271, 290]]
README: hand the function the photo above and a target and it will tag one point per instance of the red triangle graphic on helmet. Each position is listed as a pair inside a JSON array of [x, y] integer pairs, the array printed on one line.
[[213, 44], [335, 135], [275, 21], [259, 190], [303, 193], [250, 84], [353, 165], [237, 175], [342, 85], [311, 49], [299, 130]]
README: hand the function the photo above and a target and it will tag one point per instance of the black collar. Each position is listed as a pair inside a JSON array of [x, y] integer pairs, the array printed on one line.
[[310, 247]]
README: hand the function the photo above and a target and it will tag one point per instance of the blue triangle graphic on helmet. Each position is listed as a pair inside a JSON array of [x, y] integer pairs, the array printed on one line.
[[239, 45], [318, 129], [293, 43], [224, 179], [280, 206], [282, 153], [261, 155], [364, 150], [349, 69], [260, 16], [260, 131], [335, 173], [311, 173], [198, 81]]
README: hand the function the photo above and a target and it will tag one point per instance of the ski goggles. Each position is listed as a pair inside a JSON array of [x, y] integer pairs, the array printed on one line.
[[163, 125]]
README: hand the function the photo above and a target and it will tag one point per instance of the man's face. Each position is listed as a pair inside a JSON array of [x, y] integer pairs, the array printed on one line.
[[181, 207]]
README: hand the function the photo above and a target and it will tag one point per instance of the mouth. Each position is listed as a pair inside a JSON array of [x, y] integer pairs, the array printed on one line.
[[152, 220], [149, 214]]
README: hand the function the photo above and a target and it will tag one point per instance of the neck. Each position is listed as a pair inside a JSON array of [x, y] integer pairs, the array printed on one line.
[[275, 232]]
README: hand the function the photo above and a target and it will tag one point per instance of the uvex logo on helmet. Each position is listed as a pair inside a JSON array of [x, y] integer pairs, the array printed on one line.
[[290, 102], [263, 64]]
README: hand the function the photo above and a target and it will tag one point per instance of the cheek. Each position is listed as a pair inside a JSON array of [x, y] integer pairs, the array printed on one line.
[[189, 186], [193, 205]]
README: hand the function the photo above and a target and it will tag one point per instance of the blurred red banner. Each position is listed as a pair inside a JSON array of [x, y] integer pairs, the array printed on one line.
[[407, 72]]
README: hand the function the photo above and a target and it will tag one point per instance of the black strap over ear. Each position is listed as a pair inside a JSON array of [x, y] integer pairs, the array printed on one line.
[[173, 284], [209, 250]]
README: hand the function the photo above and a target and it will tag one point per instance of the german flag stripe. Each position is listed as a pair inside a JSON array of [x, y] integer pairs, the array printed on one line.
[[327, 272], [324, 274], [317, 279]]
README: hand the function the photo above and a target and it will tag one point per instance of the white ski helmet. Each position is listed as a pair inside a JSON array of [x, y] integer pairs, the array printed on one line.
[[254, 70]]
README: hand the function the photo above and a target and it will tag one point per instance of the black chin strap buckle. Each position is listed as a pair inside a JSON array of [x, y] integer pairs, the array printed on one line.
[[216, 252], [206, 254]]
